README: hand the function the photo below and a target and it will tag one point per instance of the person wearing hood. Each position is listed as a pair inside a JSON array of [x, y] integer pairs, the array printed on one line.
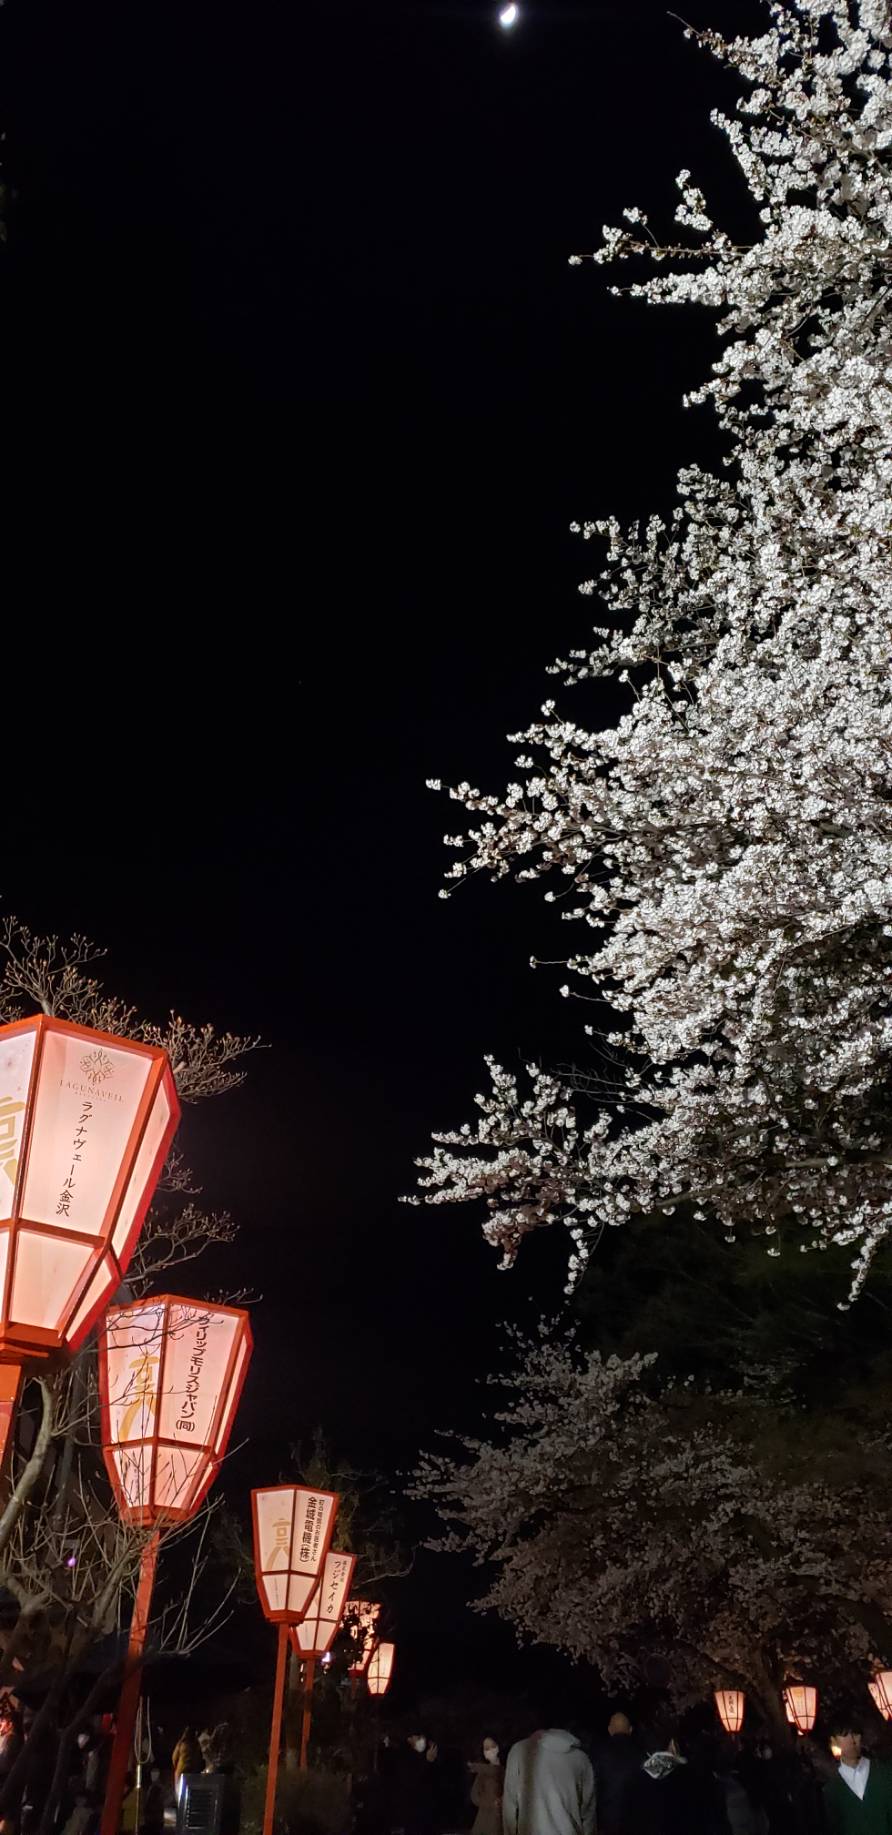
[[617, 1761], [549, 1786], [669, 1796]]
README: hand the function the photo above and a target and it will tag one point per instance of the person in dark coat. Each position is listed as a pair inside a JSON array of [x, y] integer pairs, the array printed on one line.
[[669, 1796], [416, 1808], [617, 1760], [858, 1801]]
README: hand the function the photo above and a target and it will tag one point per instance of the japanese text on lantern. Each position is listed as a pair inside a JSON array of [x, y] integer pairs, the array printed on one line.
[[185, 1423], [10, 1110], [63, 1208]]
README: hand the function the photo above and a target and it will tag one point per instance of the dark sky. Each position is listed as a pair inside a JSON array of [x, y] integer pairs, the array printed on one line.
[[301, 397]]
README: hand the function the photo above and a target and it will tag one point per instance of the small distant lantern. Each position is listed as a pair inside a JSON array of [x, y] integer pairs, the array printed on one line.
[[292, 1531], [730, 1705], [316, 1633], [361, 1619], [801, 1706], [380, 1669], [86, 1120], [171, 1373], [881, 1689]]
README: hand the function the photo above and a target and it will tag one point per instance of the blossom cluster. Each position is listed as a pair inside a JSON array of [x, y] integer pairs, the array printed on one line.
[[724, 849]]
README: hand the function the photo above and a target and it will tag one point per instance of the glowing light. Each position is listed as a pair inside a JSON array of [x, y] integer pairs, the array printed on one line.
[[509, 16]]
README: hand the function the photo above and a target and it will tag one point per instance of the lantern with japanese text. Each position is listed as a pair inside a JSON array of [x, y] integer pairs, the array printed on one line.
[[85, 1123], [292, 1532], [171, 1372], [361, 1619], [801, 1706], [880, 1688], [730, 1704], [316, 1633], [380, 1669]]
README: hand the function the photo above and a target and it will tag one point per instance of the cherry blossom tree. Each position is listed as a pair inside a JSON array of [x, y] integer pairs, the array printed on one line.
[[670, 1536], [724, 850]]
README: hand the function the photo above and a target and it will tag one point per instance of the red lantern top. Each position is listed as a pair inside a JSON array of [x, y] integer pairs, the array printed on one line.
[[361, 1619], [292, 1531], [85, 1123], [730, 1704], [381, 1669], [317, 1632], [171, 1372], [881, 1689], [801, 1704]]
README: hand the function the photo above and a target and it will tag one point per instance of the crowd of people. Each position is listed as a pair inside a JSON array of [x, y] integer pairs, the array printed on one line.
[[559, 1782], [146, 1810]]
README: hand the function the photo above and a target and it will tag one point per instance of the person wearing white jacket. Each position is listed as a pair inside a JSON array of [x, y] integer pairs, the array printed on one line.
[[549, 1787]]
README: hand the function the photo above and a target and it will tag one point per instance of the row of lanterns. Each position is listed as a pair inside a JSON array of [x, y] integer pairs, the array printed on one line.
[[303, 1586], [86, 1121], [800, 1703]]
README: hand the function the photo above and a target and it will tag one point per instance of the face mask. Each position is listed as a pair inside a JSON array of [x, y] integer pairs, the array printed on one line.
[[491, 1754], [420, 1745]]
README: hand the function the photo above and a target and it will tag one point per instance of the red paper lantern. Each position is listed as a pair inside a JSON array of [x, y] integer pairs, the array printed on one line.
[[881, 1690], [380, 1669], [292, 1531], [730, 1704], [171, 1372], [85, 1123], [316, 1633], [801, 1705], [361, 1619]]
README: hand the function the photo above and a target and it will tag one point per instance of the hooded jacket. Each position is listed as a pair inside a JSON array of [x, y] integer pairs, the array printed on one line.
[[549, 1787]]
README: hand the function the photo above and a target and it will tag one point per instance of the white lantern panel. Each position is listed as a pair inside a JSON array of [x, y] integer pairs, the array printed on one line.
[[47, 1272], [134, 1469], [177, 1475], [142, 1167], [232, 1402], [102, 1283], [133, 1360], [84, 1109], [197, 1349], [16, 1058], [316, 1634]]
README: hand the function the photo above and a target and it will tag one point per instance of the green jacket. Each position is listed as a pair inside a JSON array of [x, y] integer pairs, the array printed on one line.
[[868, 1815]]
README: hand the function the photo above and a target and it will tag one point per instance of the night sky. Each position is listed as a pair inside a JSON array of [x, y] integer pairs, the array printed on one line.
[[301, 397]]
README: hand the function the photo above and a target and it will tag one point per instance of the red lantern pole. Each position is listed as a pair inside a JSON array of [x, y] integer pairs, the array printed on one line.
[[130, 1692], [275, 1736], [309, 1679]]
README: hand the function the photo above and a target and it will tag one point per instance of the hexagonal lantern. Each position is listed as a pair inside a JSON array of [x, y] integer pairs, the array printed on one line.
[[292, 1530], [880, 1688], [361, 1618], [86, 1120], [730, 1706], [316, 1633], [801, 1704], [171, 1372], [380, 1669]]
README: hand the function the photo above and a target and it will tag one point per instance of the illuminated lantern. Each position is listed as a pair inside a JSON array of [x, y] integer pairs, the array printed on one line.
[[881, 1690], [730, 1704], [380, 1669], [361, 1620], [171, 1373], [292, 1532], [801, 1705], [85, 1123], [316, 1633]]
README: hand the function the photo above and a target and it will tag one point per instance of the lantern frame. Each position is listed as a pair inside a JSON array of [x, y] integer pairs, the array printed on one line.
[[321, 1631], [366, 1625], [82, 1307], [289, 1615], [801, 1705], [378, 1678], [730, 1706], [880, 1686], [212, 1446]]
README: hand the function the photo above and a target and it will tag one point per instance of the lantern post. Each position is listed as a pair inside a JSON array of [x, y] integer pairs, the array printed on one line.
[[86, 1120], [315, 1634], [293, 1528], [171, 1372]]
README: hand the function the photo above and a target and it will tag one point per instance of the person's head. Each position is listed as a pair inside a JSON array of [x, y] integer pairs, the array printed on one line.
[[418, 1742], [847, 1742], [619, 1724], [490, 1751]]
